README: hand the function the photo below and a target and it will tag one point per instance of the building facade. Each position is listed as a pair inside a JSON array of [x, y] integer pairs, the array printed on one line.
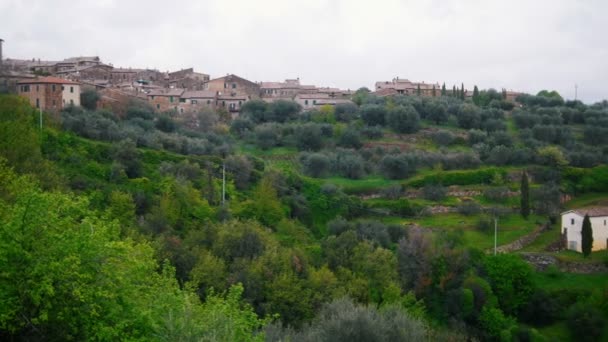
[[50, 93], [572, 224]]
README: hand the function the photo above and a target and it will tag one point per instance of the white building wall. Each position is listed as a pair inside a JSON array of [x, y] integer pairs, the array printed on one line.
[[573, 224]]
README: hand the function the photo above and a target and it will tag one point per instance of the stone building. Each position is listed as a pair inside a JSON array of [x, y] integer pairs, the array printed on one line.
[[194, 101], [233, 85], [287, 90], [407, 87], [50, 93], [165, 99]]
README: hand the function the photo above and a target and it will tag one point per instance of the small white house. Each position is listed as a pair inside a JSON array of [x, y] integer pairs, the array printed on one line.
[[572, 224]]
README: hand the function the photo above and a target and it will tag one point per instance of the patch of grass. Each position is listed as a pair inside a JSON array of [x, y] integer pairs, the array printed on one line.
[[588, 200], [544, 239], [510, 228], [361, 186], [572, 256], [552, 281]]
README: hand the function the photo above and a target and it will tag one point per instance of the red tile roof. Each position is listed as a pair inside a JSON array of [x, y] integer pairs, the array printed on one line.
[[592, 212], [47, 80]]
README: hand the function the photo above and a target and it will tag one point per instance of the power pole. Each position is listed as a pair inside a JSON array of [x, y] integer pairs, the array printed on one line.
[[495, 233], [223, 182]]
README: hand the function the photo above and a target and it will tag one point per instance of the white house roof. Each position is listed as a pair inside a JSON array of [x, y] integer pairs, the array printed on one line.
[[592, 212]]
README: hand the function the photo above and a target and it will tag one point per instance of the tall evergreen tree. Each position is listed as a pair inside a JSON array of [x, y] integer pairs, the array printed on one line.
[[454, 91], [462, 91], [476, 95], [418, 92], [434, 91], [586, 236], [504, 93], [525, 195], [443, 90]]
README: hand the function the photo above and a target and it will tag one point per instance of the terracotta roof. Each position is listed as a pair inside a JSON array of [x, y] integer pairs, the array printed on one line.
[[313, 96], [166, 92], [199, 94], [592, 212], [332, 101], [47, 80]]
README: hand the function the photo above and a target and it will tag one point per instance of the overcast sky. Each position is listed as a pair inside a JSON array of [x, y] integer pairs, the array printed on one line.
[[521, 45]]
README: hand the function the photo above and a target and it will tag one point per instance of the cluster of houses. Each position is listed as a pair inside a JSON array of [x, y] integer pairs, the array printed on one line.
[[52, 85]]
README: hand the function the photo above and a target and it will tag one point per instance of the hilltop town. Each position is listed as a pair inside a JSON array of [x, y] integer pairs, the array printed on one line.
[[181, 91]]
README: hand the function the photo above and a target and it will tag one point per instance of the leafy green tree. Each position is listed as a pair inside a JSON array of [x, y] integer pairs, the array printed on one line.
[[373, 114], [586, 323], [511, 280], [403, 119], [586, 236], [468, 116], [443, 90], [89, 98], [524, 195], [19, 137], [437, 112], [265, 206], [309, 137]]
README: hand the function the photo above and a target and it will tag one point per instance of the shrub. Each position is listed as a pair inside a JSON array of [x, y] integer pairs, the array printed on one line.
[[434, 192], [469, 208]]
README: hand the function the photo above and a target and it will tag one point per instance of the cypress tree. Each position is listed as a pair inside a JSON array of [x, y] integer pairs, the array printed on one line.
[[434, 91], [418, 90], [525, 195], [586, 236], [476, 95], [443, 91], [462, 91], [454, 90]]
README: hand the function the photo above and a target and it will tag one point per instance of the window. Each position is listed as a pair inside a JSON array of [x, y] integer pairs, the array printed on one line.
[[72, 102], [53, 87], [181, 110], [152, 97], [233, 85], [314, 102], [225, 85], [37, 88], [571, 221], [157, 106], [240, 102], [223, 103], [170, 98], [37, 103], [194, 102], [604, 222], [62, 88], [182, 100], [306, 102], [53, 103], [71, 89], [208, 101]]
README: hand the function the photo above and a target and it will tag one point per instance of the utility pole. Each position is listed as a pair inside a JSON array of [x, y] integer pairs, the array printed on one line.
[[223, 182], [495, 233]]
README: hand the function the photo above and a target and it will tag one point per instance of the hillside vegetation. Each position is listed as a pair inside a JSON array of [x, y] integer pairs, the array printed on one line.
[[370, 220]]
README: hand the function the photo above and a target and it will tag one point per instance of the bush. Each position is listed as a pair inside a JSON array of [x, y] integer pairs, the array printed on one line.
[[395, 167], [585, 322], [443, 138], [315, 165], [350, 138], [447, 178], [496, 194], [433, 192], [373, 114], [469, 208], [346, 112], [403, 119]]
